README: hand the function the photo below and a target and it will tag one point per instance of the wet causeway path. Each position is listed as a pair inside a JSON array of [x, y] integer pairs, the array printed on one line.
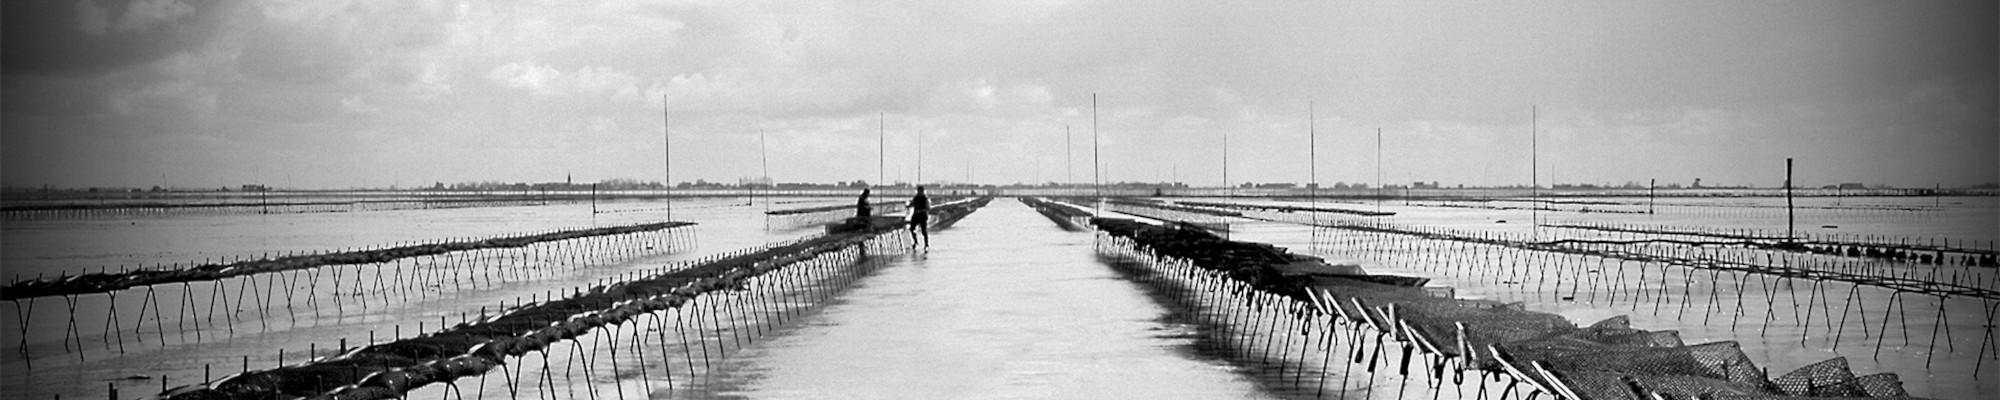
[[1003, 305]]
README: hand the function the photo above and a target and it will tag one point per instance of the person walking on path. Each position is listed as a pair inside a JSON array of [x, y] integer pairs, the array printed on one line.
[[920, 217], [861, 210]]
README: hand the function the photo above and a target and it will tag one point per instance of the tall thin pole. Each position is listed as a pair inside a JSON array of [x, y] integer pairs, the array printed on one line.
[[1069, 163], [1378, 170], [1096, 163], [1312, 158], [1226, 188], [920, 157], [1534, 173], [667, 151], [881, 148], [764, 157]]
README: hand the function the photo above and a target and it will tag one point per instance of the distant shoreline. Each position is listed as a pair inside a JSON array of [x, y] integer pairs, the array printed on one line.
[[85, 200]]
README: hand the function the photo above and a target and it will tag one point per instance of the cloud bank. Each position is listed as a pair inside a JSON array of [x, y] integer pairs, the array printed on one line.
[[334, 94]]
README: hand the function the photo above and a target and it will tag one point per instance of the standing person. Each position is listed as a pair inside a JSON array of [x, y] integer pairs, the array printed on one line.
[[861, 210], [920, 217]]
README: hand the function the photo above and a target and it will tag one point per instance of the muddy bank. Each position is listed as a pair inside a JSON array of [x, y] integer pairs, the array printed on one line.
[[1065, 216], [1257, 264]]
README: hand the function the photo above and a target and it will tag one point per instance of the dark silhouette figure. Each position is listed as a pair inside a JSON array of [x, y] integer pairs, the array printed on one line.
[[920, 217], [861, 210]]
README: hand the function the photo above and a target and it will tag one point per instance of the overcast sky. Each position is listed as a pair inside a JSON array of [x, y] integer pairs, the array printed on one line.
[[335, 94]]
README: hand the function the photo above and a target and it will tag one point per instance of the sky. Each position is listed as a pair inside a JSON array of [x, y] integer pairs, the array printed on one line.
[[323, 94]]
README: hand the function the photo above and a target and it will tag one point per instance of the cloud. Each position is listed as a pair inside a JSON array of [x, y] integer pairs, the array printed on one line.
[[562, 85], [603, 80], [90, 18], [983, 94], [95, 37], [167, 98], [355, 105], [526, 76], [141, 15], [1680, 124]]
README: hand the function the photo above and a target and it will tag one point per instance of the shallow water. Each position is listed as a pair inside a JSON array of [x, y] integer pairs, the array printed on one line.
[[1008, 307], [54, 246], [1005, 305], [212, 344]]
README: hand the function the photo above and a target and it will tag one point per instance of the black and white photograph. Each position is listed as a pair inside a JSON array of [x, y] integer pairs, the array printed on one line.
[[1014, 199]]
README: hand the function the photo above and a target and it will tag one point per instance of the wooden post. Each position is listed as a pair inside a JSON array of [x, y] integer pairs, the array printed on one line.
[[1649, 194], [764, 159], [1790, 216]]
